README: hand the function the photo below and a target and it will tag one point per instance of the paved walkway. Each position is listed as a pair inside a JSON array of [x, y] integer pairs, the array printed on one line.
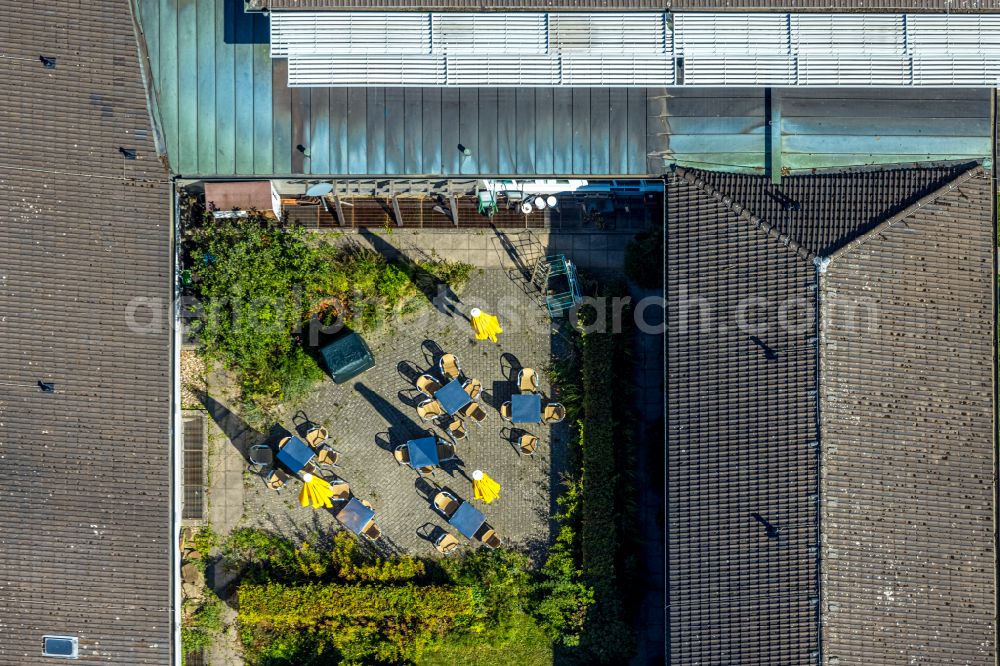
[[370, 415], [600, 251]]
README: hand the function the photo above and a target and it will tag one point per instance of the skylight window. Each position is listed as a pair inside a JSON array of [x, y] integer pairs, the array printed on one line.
[[63, 647]]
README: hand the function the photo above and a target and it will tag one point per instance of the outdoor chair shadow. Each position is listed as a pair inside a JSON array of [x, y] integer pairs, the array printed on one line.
[[432, 352], [409, 371], [425, 488], [411, 397], [430, 532], [510, 365]]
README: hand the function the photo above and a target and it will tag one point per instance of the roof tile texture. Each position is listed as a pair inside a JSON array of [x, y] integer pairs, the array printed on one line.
[[85, 528], [907, 468], [741, 430]]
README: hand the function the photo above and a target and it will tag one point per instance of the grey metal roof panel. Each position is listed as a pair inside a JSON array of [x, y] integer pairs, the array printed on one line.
[[908, 437], [85, 543]]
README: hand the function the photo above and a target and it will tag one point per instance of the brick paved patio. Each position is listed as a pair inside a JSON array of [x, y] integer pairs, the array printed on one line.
[[370, 415]]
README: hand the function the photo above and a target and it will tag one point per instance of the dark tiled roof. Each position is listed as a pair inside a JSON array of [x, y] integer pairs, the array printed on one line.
[[742, 430], [907, 405], [821, 211], [85, 543], [907, 431]]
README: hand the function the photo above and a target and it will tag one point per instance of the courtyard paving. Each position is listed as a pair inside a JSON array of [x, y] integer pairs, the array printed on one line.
[[370, 415]]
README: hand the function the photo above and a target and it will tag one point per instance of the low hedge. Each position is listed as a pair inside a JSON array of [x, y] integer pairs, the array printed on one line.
[[383, 623], [606, 638]]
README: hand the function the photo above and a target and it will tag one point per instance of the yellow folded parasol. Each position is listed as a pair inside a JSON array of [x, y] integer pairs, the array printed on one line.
[[484, 488], [316, 491], [485, 325]]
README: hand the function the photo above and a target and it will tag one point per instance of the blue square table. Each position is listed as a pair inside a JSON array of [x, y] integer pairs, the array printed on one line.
[[526, 408], [355, 516], [452, 397], [467, 519], [295, 454], [423, 452]]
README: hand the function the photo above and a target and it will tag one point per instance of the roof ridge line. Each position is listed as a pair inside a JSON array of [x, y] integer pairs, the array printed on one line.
[[957, 181], [744, 213]]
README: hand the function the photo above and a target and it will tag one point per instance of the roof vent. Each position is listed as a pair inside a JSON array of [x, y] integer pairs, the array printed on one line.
[[127, 153], [63, 647], [48, 62]]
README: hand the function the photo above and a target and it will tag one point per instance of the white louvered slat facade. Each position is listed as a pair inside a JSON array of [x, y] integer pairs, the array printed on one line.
[[731, 34], [501, 34], [612, 34], [739, 71], [615, 71], [539, 49], [325, 33], [847, 34], [509, 71]]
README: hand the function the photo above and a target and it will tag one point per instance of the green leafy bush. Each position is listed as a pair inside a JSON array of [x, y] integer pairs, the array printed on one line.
[[201, 625], [563, 598], [260, 284], [256, 280]]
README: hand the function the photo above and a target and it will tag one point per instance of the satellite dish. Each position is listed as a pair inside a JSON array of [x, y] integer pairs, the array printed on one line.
[[526, 208], [319, 189], [539, 203], [551, 201]]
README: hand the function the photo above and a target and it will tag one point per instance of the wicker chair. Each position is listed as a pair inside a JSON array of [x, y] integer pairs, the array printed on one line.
[[446, 503], [327, 457], [430, 410], [316, 436], [457, 431], [428, 385], [527, 380], [341, 491], [491, 539], [528, 444], [474, 412], [372, 531], [446, 544], [473, 387], [276, 480], [553, 413], [450, 367], [402, 454], [506, 412]]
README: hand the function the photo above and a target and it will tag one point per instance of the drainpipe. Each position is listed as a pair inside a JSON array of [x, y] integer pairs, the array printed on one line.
[[176, 438]]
